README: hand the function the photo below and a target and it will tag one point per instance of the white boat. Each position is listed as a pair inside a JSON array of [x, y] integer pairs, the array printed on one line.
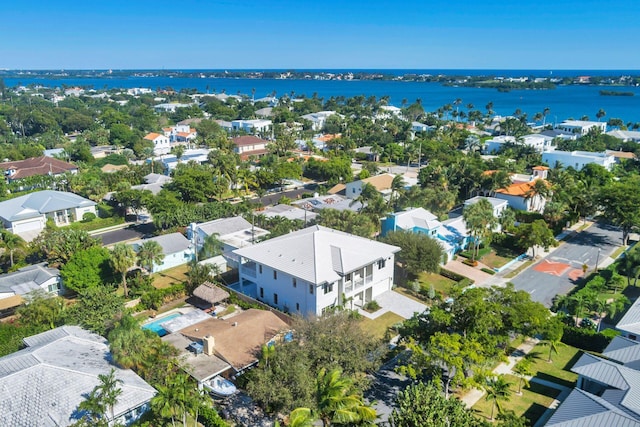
[[220, 386]]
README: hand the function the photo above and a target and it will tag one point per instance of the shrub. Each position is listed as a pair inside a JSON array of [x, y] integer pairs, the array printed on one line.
[[451, 275], [465, 282], [88, 217], [372, 306], [585, 339], [471, 263], [488, 270], [156, 297], [209, 417]]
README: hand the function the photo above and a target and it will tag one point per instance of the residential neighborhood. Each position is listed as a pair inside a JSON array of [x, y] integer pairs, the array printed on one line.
[[189, 256]]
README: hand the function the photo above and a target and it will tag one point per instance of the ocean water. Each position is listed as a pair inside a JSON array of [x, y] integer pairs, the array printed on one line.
[[563, 102]]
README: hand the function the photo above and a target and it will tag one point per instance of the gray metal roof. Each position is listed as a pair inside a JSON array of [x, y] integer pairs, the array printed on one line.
[[622, 378], [224, 226], [630, 322], [623, 350], [317, 254], [583, 409], [289, 212], [495, 202], [26, 279], [41, 202], [44, 383], [171, 243]]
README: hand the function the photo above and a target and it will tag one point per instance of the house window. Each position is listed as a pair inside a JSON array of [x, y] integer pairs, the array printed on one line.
[[311, 289], [295, 282], [275, 299], [381, 264], [260, 269], [275, 275], [297, 306], [328, 287], [261, 292], [347, 278]]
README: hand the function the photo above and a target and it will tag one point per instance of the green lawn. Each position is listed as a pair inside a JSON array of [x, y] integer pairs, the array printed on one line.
[[558, 370], [97, 223], [166, 278], [379, 326], [441, 284], [493, 260], [618, 252], [533, 402]]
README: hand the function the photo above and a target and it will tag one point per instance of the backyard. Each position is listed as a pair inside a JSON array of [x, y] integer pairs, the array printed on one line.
[[169, 277], [533, 402]]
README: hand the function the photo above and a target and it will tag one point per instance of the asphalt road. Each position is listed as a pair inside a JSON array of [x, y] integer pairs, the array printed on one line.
[[385, 386], [124, 234], [587, 247]]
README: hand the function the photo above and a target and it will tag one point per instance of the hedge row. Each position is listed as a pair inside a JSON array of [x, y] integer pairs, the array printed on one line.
[[586, 339], [454, 276]]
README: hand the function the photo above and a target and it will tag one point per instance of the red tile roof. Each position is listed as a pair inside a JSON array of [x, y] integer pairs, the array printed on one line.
[[37, 166], [248, 140]]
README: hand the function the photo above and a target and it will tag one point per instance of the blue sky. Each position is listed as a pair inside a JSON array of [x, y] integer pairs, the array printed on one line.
[[228, 34]]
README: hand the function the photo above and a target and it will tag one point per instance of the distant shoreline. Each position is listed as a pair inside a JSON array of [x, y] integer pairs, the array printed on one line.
[[498, 79]]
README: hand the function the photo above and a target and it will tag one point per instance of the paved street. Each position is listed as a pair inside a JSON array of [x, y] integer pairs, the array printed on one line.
[[558, 272], [124, 234]]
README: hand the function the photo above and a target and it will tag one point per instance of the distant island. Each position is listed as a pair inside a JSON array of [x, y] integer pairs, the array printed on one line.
[[615, 93], [454, 78]]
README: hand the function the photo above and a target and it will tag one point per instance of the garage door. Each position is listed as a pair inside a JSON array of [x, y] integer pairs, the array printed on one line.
[[35, 224]]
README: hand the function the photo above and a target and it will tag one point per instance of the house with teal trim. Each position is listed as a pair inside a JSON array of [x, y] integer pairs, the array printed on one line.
[[451, 234]]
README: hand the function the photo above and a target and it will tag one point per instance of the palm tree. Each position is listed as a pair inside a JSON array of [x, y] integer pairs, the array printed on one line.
[[164, 403], [497, 391], [523, 370], [150, 253], [109, 390], [397, 186], [338, 401], [600, 114], [545, 113], [123, 257], [480, 222], [300, 417], [11, 242], [178, 150]]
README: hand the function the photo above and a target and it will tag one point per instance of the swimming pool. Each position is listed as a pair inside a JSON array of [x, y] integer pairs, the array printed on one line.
[[155, 325]]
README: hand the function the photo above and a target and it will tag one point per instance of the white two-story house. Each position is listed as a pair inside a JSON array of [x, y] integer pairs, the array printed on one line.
[[161, 143], [316, 268]]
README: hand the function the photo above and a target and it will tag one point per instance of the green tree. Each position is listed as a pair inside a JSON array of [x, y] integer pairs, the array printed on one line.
[[97, 309], [619, 202], [150, 254], [480, 222], [12, 243], [535, 234], [347, 221], [42, 309], [123, 258], [87, 268], [498, 391], [59, 245], [423, 404], [419, 252]]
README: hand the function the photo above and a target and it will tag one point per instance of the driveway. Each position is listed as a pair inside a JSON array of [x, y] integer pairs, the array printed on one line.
[[478, 276], [385, 386], [558, 273], [397, 303]]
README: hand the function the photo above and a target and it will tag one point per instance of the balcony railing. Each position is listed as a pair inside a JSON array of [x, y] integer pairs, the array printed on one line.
[[249, 269]]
